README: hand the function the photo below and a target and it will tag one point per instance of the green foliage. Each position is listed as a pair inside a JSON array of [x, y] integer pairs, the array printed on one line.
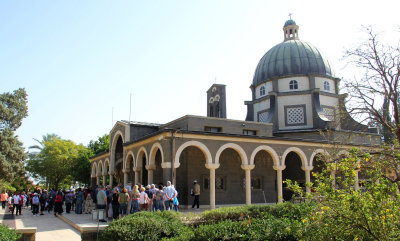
[[81, 167], [13, 108], [145, 226], [100, 145], [7, 234], [345, 213], [280, 210], [55, 160]]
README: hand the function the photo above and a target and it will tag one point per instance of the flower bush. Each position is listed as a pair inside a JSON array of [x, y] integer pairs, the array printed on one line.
[[7, 234]]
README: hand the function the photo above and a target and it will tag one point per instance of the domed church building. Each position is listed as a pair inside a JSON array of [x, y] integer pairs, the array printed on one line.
[[296, 113]]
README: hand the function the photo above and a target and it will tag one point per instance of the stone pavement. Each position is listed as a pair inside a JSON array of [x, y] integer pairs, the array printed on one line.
[[49, 227]]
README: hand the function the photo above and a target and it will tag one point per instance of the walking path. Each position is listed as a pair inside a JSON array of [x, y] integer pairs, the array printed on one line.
[[66, 227], [49, 227]]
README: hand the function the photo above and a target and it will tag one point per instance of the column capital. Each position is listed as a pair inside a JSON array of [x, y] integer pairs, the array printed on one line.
[[111, 173], [136, 169], [247, 167], [151, 167], [306, 168], [125, 171], [279, 168], [212, 166], [168, 165]]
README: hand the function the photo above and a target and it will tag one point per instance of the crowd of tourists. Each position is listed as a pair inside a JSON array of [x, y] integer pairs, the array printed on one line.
[[114, 202]]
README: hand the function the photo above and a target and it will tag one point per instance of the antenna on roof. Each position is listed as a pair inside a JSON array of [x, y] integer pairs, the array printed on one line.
[[130, 107], [290, 15]]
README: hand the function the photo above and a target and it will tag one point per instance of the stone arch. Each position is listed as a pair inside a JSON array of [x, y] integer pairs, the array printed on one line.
[[126, 163], [316, 152], [235, 147], [268, 149], [299, 152], [197, 144], [139, 154], [100, 168], [106, 167], [141, 164], [118, 134], [153, 151], [94, 169]]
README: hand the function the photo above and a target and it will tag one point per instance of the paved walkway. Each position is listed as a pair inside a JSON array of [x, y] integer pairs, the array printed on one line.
[[49, 227]]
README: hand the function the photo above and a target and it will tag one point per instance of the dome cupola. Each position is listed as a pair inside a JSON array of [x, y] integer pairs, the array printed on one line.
[[292, 57]]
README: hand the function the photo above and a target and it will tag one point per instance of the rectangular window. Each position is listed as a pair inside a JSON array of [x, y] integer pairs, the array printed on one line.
[[295, 115], [249, 132], [220, 183], [256, 183], [212, 129]]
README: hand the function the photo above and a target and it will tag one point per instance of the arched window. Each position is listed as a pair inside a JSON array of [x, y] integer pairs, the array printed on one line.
[[327, 86], [293, 85], [262, 91]]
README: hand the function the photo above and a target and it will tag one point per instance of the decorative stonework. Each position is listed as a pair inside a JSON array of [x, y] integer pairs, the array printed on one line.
[[295, 115], [263, 115], [329, 112]]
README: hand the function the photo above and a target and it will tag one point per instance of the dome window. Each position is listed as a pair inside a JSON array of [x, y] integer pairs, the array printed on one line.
[[262, 91], [293, 85], [217, 98], [211, 100], [327, 87]]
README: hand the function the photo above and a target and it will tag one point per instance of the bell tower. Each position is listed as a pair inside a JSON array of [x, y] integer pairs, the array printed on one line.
[[290, 30], [216, 101]]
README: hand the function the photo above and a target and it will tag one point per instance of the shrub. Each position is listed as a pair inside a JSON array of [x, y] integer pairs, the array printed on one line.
[[281, 210], [144, 226], [7, 234]]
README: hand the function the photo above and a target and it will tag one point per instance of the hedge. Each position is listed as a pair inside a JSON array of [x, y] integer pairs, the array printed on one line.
[[7, 234]]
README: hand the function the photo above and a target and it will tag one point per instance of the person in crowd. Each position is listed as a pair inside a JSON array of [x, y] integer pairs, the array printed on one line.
[[68, 201], [42, 201], [88, 204], [58, 203], [101, 201], [115, 204], [4, 197], [109, 193], [10, 203], [35, 204], [135, 199], [196, 194], [158, 199], [18, 200], [24, 199], [123, 202], [143, 200], [169, 194], [175, 202], [80, 197], [152, 196], [73, 206]]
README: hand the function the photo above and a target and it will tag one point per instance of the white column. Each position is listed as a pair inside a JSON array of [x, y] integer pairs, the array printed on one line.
[[125, 177], [137, 174], [212, 168], [111, 179], [279, 181], [356, 184], [150, 173], [333, 176], [97, 180], [104, 180], [247, 169]]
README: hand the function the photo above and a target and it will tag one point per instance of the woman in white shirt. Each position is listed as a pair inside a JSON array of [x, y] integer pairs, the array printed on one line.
[[143, 200]]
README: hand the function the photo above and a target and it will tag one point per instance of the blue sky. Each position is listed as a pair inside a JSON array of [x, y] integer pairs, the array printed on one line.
[[79, 59]]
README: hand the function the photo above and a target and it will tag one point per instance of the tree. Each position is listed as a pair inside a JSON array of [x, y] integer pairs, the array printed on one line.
[[55, 161], [100, 145], [13, 108], [344, 212], [375, 96], [81, 166]]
